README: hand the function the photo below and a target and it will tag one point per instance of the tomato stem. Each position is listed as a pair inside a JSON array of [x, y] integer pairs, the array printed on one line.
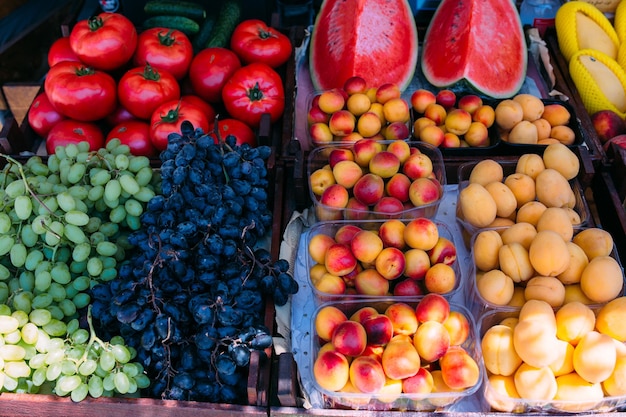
[[150, 73], [167, 39], [95, 23], [255, 93], [265, 34]]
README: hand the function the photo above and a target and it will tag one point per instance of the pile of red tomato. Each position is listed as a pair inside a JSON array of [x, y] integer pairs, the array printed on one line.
[[107, 81]]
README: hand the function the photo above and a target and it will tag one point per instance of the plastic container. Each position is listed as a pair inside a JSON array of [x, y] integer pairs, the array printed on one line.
[[508, 167], [479, 305], [434, 401], [331, 228], [496, 401], [319, 157]]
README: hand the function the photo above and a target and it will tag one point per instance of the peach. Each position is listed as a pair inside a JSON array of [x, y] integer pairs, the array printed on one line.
[[347, 173], [400, 148], [432, 307], [331, 370], [421, 98], [396, 131], [345, 233], [355, 84], [458, 369], [607, 124], [400, 360], [318, 245], [339, 154], [371, 282], [388, 206], [349, 338], [424, 191], [321, 179], [420, 383], [339, 259], [595, 357], [556, 114], [499, 352], [398, 187], [320, 133], [418, 165], [407, 288], [364, 150], [330, 284], [355, 210], [369, 189], [431, 340], [335, 196], [403, 318], [535, 383], [341, 123], [484, 114], [396, 110], [327, 320], [470, 103], [444, 251], [420, 123], [421, 233], [367, 374], [435, 112], [379, 329], [390, 263], [477, 135], [368, 124], [458, 121], [317, 115], [366, 246], [417, 264], [458, 327], [391, 232], [446, 98], [384, 164], [387, 91], [440, 279], [433, 135], [363, 314]]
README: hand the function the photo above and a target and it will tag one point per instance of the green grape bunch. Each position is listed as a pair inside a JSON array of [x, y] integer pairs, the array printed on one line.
[[64, 223], [40, 354]]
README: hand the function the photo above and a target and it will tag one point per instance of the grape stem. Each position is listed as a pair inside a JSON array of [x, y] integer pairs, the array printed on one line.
[[20, 168], [93, 338]]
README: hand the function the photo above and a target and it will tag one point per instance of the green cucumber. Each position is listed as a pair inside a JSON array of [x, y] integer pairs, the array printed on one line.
[[227, 20], [186, 25], [202, 37], [175, 8]]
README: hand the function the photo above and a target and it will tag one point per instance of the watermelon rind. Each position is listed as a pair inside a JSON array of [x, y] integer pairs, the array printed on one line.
[[374, 39], [477, 42]]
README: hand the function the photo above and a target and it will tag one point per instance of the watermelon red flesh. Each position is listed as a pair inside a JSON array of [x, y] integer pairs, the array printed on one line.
[[373, 39], [479, 41]]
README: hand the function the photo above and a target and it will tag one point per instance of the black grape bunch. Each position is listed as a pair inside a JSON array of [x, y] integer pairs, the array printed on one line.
[[190, 299]]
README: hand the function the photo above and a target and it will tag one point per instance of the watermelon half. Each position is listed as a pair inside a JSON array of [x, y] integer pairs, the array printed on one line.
[[374, 39], [480, 42]]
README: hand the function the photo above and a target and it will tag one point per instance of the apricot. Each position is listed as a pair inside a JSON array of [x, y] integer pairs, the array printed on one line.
[[495, 287], [327, 320], [520, 232], [371, 282], [563, 134], [532, 106], [548, 289], [538, 310], [500, 392], [515, 262], [506, 204], [420, 383], [558, 220], [458, 121], [534, 383], [535, 342], [367, 374], [478, 207], [573, 292], [431, 340], [610, 319], [403, 318], [484, 114], [487, 244], [366, 245], [530, 212], [553, 189], [548, 253], [564, 364], [458, 327], [602, 279], [595, 357], [508, 113], [562, 159], [486, 171], [331, 370], [556, 114], [499, 353], [573, 321], [530, 164], [518, 298], [458, 369], [440, 279], [579, 395], [522, 186], [523, 132], [595, 242], [615, 384], [543, 128], [400, 359], [578, 263]]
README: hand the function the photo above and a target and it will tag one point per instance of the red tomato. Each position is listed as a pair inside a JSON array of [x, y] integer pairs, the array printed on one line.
[[80, 92], [254, 41], [119, 115], [168, 117], [207, 109], [253, 90], [42, 116], [106, 41], [164, 49], [238, 129], [60, 50], [141, 90], [74, 131], [135, 134], [209, 71]]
